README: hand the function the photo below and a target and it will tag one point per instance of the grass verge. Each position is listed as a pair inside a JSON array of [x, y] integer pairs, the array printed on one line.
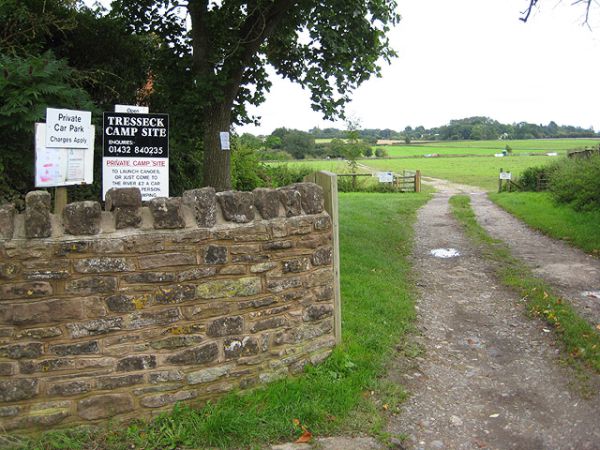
[[378, 309], [538, 211], [580, 339]]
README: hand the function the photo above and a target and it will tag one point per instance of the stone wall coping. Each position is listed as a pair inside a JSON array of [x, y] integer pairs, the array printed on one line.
[[125, 215]]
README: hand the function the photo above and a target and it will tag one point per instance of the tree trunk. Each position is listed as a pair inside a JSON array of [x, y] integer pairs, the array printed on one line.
[[217, 162]]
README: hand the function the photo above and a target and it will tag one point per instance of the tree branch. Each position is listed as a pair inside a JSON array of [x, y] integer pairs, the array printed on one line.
[[198, 10], [527, 12]]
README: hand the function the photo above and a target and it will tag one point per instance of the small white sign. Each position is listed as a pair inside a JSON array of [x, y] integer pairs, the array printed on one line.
[[149, 175], [62, 166], [552, 154], [68, 128], [505, 176], [132, 109], [224, 135], [499, 155], [385, 177]]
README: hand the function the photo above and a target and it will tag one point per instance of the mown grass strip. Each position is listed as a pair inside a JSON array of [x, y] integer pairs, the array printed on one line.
[[536, 209], [580, 339], [378, 309]]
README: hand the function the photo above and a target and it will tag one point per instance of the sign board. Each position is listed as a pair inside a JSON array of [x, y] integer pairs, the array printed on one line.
[[505, 176], [132, 109], [552, 154], [224, 136], [499, 155], [385, 177], [136, 153], [68, 128], [62, 166]]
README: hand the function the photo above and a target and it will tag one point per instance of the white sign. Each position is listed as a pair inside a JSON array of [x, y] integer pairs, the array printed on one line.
[[149, 175], [505, 176], [385, 177], [67, 128], [224, 135], [62, 166], [552, 154], [136, 153], [132, 109], [499, 155]]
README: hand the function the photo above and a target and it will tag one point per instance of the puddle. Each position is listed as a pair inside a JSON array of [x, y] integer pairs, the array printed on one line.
[[445, 252], [591, 294]]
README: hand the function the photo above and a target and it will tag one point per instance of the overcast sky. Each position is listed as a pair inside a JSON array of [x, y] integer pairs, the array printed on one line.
[[465, 58]]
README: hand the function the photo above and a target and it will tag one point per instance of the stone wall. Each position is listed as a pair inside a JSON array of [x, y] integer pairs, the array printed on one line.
[[123, 312]]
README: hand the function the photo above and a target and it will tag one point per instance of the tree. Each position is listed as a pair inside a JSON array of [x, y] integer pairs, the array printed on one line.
[[329, 47]]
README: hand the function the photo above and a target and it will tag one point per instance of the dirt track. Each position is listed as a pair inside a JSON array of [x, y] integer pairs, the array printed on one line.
[[489, 377]]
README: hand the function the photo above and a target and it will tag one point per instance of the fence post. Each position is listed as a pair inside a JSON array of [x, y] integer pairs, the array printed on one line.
[[500, 182], [418, 181], [60, 200], [328, 181]]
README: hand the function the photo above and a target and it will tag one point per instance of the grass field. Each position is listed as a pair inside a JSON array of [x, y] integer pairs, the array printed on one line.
[[582, 229], [377, 312], [475, 171], [481, 148]]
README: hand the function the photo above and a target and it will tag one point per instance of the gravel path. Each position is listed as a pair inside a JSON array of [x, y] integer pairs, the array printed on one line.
[[489, 377]]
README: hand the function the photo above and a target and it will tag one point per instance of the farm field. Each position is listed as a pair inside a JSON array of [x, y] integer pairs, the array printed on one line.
[[487, 148], [476, 171]]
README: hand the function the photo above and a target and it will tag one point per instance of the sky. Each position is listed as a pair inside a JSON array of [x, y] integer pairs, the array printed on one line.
[[464, 58]]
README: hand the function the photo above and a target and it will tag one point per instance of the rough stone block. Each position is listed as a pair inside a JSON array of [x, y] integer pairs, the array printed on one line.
[[270, 323], [31, 289], [176, 342], [215, 254], [282, 284], [7, 221], [117, 382], [103, 264], [126, 217], [204, 204], [312, 197], [267, 202], [198, 355], [210, 374], [21, 351], [196, 273], [103, 406], [142, 319], [92, 285], [160, 400], [37, 223], [167, 213], [166, 260], [323, 223], [8, 271], [82, 218], [237, 206], [7, 369], [46, 414], [127, 303], [323, 293], [139, 362], [130, 197], [235, 348], [291, 200], [317, 312], [175, 294], [82, 348], [322, 257], [69, 388], [95, 327], [40, 200], [46, 311], [225, 326], [242, 287], [15, 390], [151, 277], [296, 265], [165, 376]]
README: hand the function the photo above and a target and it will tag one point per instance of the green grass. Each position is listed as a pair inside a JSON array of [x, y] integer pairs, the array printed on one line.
[[536, 209], [377, 311], [333, 165], [482, 172], [480, 148], [581, 341]]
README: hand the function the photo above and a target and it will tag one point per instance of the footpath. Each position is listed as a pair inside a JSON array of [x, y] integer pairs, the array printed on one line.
[[488, 377]]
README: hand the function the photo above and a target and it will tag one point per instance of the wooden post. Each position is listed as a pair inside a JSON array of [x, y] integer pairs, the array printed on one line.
[[328, 181], [500, 182], [418, 181], [60, 199]]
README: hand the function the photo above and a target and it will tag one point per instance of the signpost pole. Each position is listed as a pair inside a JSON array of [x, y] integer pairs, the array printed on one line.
[[500, 182], [60, 199]]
